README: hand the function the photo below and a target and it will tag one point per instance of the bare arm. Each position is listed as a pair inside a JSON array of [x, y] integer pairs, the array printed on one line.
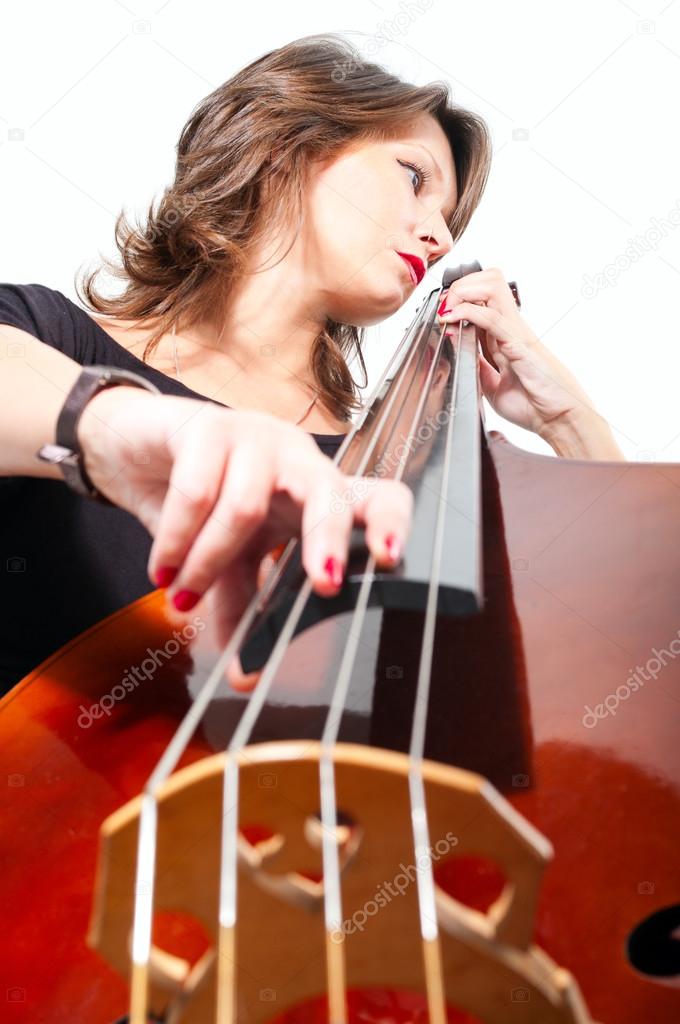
[[216, 488], [34, 382], [585, 435], [525, 382]]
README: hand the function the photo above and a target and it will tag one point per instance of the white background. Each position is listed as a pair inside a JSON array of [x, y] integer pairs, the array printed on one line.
[[581, 98]]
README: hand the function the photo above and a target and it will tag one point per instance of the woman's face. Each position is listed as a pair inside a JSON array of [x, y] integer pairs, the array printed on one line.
[[369, 204]]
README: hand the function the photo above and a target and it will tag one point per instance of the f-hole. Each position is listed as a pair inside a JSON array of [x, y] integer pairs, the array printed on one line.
[[653, 947]]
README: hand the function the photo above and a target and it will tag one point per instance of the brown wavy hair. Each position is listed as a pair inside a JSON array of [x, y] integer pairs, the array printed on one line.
[[242, 160]]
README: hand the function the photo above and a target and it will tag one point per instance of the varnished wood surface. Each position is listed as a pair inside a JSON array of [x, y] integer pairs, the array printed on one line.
[[588, 586]]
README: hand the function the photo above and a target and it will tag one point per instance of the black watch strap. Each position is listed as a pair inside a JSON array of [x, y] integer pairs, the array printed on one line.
[[66, 452]]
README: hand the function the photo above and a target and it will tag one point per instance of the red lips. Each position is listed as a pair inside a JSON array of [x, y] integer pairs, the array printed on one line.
[[416, 263]]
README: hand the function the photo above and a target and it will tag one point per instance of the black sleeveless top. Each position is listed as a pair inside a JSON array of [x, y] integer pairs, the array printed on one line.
[[67, 562]]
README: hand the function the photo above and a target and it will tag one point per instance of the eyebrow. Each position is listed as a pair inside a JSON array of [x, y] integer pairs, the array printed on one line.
[[438, 170]]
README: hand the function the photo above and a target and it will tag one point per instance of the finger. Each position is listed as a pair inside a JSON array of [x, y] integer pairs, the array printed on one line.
[[483, 285], [326, 527], [494, 352], [488, 287], [490, 320], [239, 680], [489, 346], [226, 602], [385, 509], [489, 379], [239, 511], [266, 565], [268, 562], [194, 483]]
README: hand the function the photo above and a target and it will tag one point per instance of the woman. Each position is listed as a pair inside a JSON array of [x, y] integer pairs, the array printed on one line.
[[301, 187]]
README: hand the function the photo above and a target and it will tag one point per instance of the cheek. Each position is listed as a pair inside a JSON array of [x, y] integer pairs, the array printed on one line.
[[351, 212], [347, 229], [352, 221], [353, 264]]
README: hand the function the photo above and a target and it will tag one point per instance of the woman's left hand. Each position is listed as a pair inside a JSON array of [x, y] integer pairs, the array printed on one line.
[[523, 380]]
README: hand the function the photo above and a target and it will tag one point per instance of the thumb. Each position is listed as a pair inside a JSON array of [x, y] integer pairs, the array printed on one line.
[[489, 379], [225, 603], [240, 680], [230, 611]]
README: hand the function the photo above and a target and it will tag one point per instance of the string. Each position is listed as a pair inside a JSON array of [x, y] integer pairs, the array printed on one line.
[[148, 818], [226, 986], [145, 877], [332, 885], [179, 378], [427, 906]]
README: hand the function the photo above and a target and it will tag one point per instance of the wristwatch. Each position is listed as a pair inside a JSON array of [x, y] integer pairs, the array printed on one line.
[[66, 453]]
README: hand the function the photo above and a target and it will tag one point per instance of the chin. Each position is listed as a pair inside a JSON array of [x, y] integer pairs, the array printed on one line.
[[371, 300], [380, 312]]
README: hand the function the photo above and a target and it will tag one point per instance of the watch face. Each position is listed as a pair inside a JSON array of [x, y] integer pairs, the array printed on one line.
[[67, 454], [56, 454]]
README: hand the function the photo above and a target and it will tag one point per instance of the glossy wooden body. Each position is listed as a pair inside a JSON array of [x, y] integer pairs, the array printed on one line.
[[582, 584]]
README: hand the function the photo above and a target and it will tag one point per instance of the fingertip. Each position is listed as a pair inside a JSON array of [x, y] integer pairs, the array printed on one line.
[[163, 576], [333, 571], [386, 547], [239, 680], [184, 600], [393, 548], [328, 579]]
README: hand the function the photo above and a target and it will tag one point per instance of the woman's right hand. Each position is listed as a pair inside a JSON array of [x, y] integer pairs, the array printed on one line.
[[217, 489]]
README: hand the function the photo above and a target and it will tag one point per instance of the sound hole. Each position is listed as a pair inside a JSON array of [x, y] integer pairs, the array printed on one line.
[[476, 882], [653, 947], [346, 830], [180, 934], [263, 842], [256, 834]]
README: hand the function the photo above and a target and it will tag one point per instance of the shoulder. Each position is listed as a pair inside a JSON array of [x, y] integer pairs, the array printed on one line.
[[52, 317], [36, 308], [38, 299]]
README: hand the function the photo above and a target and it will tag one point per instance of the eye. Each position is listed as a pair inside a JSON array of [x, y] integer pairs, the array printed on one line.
[[420, 171]]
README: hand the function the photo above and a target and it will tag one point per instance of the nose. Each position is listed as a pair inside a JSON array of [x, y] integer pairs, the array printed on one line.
[[438, 243]]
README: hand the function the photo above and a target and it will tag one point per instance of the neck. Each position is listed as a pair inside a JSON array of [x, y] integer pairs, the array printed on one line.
[[271, 321]]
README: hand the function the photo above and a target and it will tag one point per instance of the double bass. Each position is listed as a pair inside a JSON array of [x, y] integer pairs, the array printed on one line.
[[451, 796]]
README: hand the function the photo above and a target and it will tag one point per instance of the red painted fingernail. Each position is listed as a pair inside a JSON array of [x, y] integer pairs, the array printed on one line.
[[442, 307], [165, 576], [185, 599], [393, 547], [334, 570]]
